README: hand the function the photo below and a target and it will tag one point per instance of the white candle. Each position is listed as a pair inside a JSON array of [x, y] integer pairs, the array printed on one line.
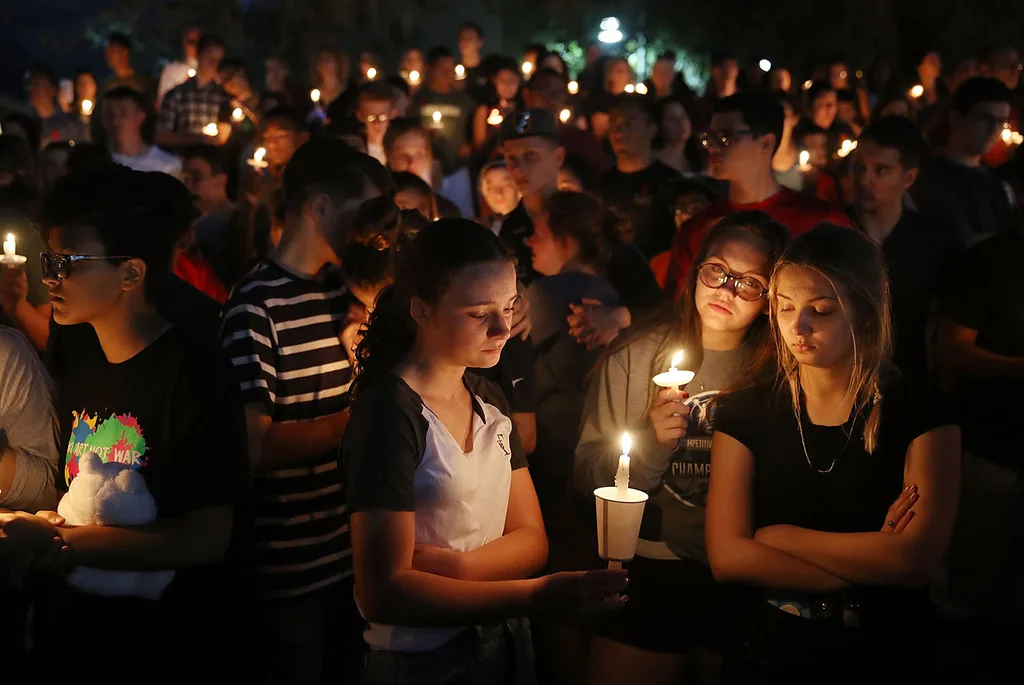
[[622, 474], [495, 118], [11, 256], [674, 377], [257, 159]]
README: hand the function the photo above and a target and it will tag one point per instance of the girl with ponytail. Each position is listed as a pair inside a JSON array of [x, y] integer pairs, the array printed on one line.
[[833, 489], [446, 528]]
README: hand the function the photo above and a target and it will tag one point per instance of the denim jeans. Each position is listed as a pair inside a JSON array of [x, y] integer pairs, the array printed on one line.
[[494, 654]]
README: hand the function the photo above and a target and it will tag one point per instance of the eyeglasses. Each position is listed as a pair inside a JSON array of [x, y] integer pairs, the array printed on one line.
[[711, 139], [373, 118], [58, 266], [747, 287]]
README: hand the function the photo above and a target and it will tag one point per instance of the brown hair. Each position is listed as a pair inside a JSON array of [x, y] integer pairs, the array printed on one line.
[[582, 217], [853, 266]]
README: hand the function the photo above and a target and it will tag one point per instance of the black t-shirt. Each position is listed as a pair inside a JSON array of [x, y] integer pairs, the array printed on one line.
[[515, 229], [855, 496], [979, 292], [635, 197], [173, 412], [182, 305], [515, 375]]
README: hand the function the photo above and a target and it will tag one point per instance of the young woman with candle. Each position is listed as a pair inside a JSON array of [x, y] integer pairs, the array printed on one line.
[[670, 622], [446, 529], [852, 501]]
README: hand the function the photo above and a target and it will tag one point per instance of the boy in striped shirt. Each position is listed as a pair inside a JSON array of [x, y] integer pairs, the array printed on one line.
[[281, 329]]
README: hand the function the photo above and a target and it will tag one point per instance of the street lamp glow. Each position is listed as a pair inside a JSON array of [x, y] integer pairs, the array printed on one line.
[[765, 65], [610, 24], [610, 31]]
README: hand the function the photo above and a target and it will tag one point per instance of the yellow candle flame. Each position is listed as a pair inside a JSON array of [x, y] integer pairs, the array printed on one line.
[[564, 116], [495, 118], [210, 129], [807, 84], [805, 158], [260, 153], [527, 68], [414, 77], [371, 74], [641, 88], [314, 95], [917, 91], [86, 107], [191, 73], [1006, 135], [627, 444], [677, 359], [238, 114], [574, 87], [630, 88], [436, 116], [460, 72]]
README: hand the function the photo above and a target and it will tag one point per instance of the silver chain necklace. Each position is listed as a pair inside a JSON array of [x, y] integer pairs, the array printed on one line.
[[803, 443]]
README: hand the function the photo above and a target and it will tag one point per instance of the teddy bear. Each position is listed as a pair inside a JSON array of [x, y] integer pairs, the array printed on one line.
[[111, 494]]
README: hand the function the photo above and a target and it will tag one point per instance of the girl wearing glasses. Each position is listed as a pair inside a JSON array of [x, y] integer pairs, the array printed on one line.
[[669, 624], [834, 488]]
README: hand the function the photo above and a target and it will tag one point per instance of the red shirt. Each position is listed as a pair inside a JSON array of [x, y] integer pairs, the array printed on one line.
[[200, 274], [796, 211]]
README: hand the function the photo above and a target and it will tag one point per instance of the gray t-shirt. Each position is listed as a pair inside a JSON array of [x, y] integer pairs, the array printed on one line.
[[619, 399]]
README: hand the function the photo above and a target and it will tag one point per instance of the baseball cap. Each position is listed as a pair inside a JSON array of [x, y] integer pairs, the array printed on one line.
[[529, 124]]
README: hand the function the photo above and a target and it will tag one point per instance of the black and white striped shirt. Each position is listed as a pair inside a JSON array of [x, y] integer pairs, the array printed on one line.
[[281, 332]]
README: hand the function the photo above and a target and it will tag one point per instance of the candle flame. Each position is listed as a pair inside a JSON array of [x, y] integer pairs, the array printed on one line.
[[191, 73], [627, 444], [86, 107], [314, 95], [210, 129], [10, 237], [807, 84], [564, 116], [371, 74], [641, 88], [805, 158], [574, 87], [917, 91], [630, 88], [238, 114], [259, 154], [1006, 135], [414, 77], [460, 72], [436, 116], [495, 118], [527, 68]]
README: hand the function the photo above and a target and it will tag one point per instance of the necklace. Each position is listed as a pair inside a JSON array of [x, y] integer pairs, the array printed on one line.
[[803, 443]]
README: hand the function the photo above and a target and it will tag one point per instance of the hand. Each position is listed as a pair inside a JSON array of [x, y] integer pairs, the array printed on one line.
[[595, 325], [351, 330], [901, 512], [25, 538], [581, 592], [13, 288], [670, 417], [521, 322], [51, 517], [436, 560]]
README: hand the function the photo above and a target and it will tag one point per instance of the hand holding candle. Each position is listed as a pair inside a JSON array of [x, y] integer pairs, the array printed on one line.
[[257, 161], [674, 377]]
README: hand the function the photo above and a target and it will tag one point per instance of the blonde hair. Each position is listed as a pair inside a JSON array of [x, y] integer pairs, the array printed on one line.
[[853, 266]]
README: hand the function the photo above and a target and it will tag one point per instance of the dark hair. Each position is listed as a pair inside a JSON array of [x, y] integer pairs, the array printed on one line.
[[401, 126], [367, 255], [121, 39], [472, 26], [581, 167], [86, 156], [635, 102], [670, 191], [438, 53], [582, 217], [116, 203], [425, 269], [324, 166], [899, 134], [128, 93], [285, 117], [846, 95], [209, 40], [669, 55], [761, 112], [45, 73], [377, 91], [211, 154], [720, 58], [27, 124], [977, 90], [406, 180], [680, 325], [817, 89], [16, 157]]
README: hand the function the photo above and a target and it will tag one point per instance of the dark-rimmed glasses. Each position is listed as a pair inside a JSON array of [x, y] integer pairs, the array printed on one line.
[[710, 139], [59, 266], [715, 276]]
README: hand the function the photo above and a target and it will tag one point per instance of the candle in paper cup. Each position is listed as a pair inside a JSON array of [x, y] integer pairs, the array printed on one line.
[[11, 256], [620, 509], [674, 377], [257, 161]]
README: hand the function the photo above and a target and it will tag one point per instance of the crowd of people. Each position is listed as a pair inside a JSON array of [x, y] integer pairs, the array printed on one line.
[[371, 342]]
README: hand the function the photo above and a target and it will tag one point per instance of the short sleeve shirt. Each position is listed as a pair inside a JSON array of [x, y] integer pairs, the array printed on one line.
[[398, 456]]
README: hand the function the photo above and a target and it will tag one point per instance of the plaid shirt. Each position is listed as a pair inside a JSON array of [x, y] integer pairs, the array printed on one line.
[[189, 107]]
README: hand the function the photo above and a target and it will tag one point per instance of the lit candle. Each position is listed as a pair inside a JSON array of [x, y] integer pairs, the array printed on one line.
[[314, 95], [807, 84], [257, 161], [847, 147], [414, 77], [1016, 138], [460, 72], [87, 107], [436, 116], [641, 88], [622, 474], [11, 256], [191, 73], [495, 118], [805, 161], [211, 130], [371, 74], [917, 91], [674, 377], [564, 116], [630, 88], [238, 114], [574, 87], [527, 68]]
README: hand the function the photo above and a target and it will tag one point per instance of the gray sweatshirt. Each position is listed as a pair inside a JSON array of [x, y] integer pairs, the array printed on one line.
[[618, 400], [29, 425]]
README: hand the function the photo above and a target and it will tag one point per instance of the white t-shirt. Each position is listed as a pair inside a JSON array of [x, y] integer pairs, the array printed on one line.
[[153, 159], [398, 456]]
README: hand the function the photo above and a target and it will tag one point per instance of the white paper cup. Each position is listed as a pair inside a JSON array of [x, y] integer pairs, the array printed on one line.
[[618, 522]]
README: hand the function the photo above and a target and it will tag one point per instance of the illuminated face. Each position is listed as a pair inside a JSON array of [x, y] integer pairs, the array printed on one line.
[[534, 163], [744, 151], [499, 191], [550, 253], [375, 115], [823, 110], [721, 309], [811, 319], [630, 131], [879, 179], [92, 288], [280, 143], [411, 153]]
